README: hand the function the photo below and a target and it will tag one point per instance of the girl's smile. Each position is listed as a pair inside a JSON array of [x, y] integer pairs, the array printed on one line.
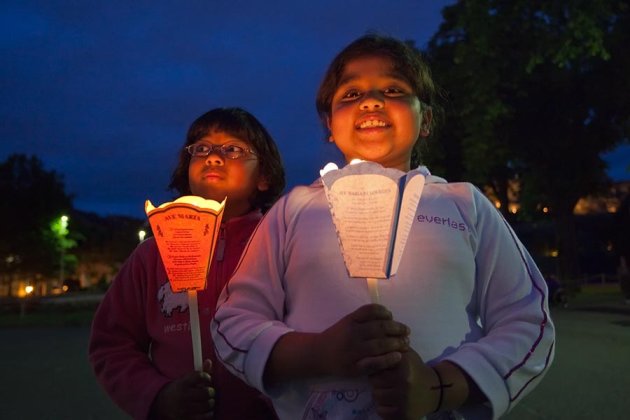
[[373, 121]]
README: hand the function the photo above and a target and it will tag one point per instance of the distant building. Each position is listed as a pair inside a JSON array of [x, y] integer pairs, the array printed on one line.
[[601, 232], [608, 203]]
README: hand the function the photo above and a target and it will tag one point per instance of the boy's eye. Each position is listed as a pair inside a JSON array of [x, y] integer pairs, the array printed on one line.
[[232, 150], [201, 149]]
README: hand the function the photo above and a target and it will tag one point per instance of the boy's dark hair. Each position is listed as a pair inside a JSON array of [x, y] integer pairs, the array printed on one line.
[[407, 62], [241, 124]]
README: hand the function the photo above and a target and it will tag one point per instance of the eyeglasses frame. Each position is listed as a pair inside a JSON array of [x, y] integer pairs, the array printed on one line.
[[220, 150]]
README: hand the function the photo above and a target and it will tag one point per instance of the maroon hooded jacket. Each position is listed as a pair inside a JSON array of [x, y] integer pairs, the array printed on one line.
[[141, 339]]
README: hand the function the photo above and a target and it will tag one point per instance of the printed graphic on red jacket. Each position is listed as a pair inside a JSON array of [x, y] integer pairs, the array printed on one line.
[[170, 301]]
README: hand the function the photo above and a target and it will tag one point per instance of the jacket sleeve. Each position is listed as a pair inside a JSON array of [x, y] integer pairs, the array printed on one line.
[[518, 343], [247, 321], [119, 342]]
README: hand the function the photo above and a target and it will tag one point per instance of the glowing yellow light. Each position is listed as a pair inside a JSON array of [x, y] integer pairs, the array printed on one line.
[[497, 204], [554, 253], [64, 288], [29, 289], [141, 235], [545, 210]]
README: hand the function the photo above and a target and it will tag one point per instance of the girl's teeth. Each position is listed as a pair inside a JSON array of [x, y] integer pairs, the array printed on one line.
[[372, 123]]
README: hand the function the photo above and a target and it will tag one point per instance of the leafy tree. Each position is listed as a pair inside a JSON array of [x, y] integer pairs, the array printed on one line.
[[538, 92], [31, 198], [58, 234]]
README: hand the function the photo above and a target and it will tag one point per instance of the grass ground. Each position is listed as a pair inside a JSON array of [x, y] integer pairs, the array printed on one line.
[[74, 318], [81, 315], [70, 312], [597, 293]]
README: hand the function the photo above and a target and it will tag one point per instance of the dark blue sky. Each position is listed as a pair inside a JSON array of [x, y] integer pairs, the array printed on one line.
[[103, 92]]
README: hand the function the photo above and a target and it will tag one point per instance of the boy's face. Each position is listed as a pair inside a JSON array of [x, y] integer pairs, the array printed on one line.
[[375, 114], [216, 177]]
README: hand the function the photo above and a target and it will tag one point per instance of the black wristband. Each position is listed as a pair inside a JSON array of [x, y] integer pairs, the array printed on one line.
[[441, 386]]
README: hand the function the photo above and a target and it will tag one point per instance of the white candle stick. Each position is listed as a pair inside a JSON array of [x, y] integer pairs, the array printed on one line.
[[373, 289], [193, 311]]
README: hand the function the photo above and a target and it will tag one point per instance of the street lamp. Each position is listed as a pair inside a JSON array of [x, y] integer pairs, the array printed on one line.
[[63, 231], [141, 235], [28, 290]]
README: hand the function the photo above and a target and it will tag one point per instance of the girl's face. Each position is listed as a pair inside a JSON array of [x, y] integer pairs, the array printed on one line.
[[375, 114], [216, 176]]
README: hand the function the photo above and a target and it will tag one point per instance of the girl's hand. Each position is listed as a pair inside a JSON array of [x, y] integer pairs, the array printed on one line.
[[406, 390], [189, 397], [365, 341]]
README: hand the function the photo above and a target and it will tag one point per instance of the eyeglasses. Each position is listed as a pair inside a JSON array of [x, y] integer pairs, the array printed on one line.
[[230, 151]]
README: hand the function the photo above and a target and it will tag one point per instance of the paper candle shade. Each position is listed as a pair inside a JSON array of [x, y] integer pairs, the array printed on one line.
[[186, 231]]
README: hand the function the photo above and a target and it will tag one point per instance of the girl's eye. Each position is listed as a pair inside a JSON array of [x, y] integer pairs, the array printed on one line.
[[393, 92], [351, 95], [390, 92]]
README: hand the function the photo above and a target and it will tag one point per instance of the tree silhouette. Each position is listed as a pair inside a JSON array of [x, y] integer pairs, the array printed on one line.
[[32, 198], [537, 92]]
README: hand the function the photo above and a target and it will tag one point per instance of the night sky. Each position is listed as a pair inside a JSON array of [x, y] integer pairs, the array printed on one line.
[[103, 92]]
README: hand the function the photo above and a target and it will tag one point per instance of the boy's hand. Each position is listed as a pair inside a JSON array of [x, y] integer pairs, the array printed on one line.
[[363, 342], [404, 391], [189, 397]]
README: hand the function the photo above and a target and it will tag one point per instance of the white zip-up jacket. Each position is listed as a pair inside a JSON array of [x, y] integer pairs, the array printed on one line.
[[466, 287]]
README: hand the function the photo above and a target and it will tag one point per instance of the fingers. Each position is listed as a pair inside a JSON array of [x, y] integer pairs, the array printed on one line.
[[388, 401], [382, 330], [388, 394], [207, 366], [200, 401], [371, 312], [379, 339], [186, 397], [197, 380], [394, 328], [201, 394], [402, 391], [381, 345], [372, 364], [377, 321]]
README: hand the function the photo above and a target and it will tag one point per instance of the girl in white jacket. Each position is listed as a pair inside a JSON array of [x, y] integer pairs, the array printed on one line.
[[464, 327]]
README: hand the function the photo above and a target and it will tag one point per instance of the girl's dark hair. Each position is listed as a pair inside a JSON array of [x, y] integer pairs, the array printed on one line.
[[241, 124], [407, 62]]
